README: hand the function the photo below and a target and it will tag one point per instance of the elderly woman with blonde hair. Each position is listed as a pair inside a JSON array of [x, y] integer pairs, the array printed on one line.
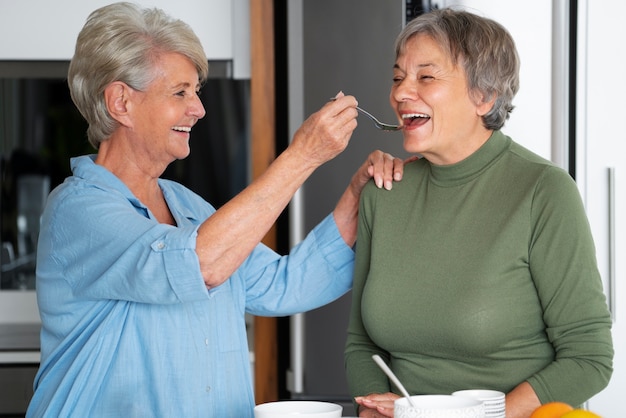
[[142, 285]]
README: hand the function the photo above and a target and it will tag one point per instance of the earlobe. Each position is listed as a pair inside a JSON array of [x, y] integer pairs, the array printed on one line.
[[484, 106], [116, 97]]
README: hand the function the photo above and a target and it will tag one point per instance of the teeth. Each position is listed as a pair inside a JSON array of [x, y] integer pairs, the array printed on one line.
[[182, 128], [414, 115]]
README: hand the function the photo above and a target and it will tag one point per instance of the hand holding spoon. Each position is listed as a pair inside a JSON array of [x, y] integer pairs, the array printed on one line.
[[380, 125], [393, 378]]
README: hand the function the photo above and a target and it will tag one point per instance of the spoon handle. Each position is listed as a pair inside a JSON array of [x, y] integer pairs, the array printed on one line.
[[393, 377]]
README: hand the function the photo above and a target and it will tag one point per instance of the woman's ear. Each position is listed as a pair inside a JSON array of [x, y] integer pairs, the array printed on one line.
[[116, 99], [483, 103]]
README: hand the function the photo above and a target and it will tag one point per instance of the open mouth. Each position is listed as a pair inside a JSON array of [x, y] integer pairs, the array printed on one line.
[[414, 119], [182, 128]]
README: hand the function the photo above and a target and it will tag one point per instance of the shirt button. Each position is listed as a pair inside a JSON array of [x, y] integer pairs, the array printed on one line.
[[161, 245], [206, 341], [208, 388]]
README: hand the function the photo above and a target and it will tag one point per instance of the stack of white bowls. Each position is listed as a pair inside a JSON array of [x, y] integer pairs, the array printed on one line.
[[493, 400], [438, 406]]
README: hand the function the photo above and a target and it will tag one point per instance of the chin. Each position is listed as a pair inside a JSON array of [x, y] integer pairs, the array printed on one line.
[[182, 154], [413, 146]]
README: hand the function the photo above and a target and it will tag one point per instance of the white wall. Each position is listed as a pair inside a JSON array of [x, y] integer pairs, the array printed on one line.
[[530, 24], [47, 29]]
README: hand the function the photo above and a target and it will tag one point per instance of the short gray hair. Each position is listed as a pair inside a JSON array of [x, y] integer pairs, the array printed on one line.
[[122, 42], [483, 48]]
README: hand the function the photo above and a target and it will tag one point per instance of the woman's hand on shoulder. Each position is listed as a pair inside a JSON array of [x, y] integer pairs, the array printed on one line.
[[383, 167]]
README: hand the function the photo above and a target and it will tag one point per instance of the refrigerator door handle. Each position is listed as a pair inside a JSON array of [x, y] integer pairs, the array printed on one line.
[[611, 226], [295, 375]]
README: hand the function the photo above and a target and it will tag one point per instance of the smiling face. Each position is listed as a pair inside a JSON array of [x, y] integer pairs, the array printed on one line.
[[163, 115], [430, 95]]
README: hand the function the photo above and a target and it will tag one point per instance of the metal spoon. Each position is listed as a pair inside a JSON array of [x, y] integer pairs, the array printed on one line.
[[380, 125], [393, 378]]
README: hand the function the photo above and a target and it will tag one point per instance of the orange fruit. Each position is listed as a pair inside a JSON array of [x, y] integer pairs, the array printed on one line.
[[552, 410], [580, 413]]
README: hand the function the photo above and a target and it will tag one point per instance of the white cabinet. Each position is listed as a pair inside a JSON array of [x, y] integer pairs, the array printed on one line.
[[47, 30], [600, 151]]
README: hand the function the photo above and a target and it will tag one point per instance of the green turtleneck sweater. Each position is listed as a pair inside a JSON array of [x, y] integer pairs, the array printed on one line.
[[480, 274]]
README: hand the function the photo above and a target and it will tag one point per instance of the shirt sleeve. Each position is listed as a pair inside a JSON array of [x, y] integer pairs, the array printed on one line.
[[107, 248], [564, 269], [317, 271]]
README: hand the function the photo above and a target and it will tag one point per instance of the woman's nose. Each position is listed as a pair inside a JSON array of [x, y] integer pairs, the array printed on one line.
[[196, 108], [404, 91]]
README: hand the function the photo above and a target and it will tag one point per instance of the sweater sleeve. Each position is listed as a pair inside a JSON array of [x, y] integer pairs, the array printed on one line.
[[564, 269], [363, 376]]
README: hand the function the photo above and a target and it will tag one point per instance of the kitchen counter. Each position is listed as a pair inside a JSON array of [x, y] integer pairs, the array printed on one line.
[[19, 343], [19, 361]]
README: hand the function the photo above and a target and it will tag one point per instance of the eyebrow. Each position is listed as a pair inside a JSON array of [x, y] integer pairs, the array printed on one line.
[[184, 85], [429, 64]]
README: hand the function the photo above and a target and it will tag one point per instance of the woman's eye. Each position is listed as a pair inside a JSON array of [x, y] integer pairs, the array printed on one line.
[[183, 93], [426, 77]]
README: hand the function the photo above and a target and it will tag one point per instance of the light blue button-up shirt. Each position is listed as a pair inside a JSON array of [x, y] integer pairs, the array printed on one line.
[[128, 327]]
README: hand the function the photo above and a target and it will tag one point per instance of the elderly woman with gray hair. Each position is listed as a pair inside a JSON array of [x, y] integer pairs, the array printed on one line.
[[478, 270], [142, 285]]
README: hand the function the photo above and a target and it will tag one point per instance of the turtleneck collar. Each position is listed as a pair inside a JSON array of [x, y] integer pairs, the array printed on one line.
[[472, 166]]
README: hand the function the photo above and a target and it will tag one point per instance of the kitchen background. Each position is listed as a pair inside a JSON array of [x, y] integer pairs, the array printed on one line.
[[570, 93]]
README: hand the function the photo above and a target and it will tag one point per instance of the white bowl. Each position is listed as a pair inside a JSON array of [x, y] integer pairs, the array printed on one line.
[[438, 406], [484, 395], [301, 409]]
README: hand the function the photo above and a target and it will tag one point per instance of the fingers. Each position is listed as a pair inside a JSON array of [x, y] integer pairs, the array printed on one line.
[[382, 403], [377, 397], [385, 169], [327, 132], [344, 111]]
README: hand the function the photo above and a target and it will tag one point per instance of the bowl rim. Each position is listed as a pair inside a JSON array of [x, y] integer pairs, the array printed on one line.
[[480, 393], [329, 406], [434, 402]]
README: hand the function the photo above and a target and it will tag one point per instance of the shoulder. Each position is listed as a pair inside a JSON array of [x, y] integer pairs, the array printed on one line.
[[413, 171], [402, 192], [551, 186], [548, 171], [526, 163], [183, 197]]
